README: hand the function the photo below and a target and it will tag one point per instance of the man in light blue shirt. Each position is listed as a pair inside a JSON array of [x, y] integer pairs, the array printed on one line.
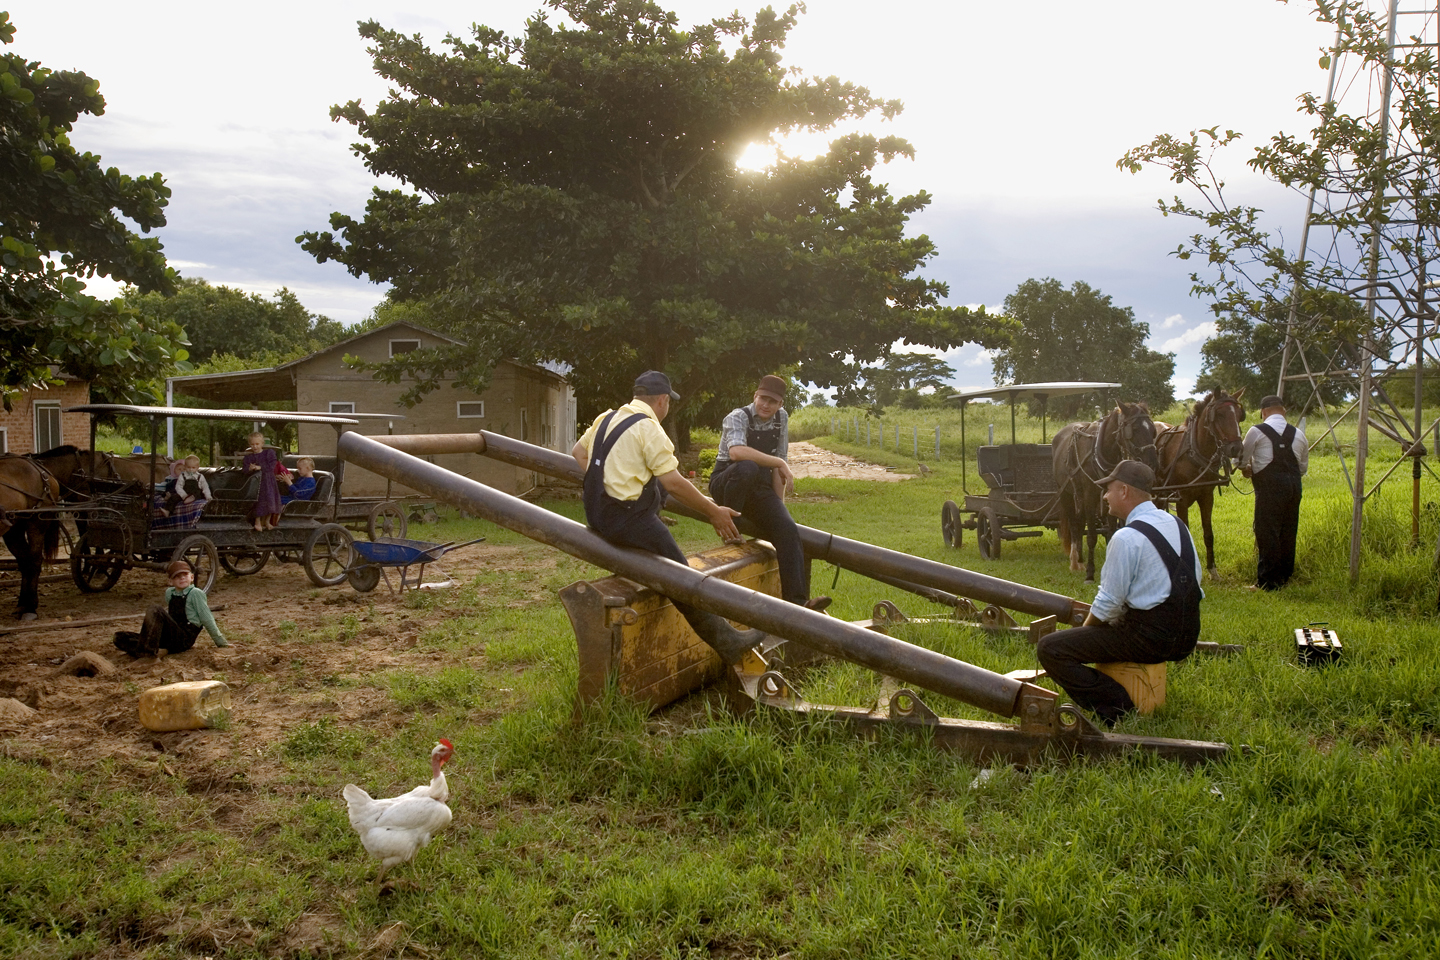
[[1148, 607]]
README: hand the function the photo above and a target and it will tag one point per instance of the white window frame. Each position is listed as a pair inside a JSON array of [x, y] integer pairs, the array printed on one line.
[[4, 439], [344, 407], [460, 406], [45, 405], [525, 424], [411, 350]]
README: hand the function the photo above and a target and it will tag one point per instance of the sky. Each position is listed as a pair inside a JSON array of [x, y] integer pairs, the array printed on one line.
[[1017, 113]]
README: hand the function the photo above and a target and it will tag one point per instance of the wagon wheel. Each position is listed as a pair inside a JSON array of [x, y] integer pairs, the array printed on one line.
[[94, 570], [987, 533], [364, 578], [327, 555], [246, 563], [199, 551], [950, 527], [387, 519]]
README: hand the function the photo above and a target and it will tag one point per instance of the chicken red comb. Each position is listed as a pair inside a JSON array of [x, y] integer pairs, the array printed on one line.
[[447, 743]]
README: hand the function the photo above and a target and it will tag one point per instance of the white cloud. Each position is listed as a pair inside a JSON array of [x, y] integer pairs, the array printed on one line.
[[1174, 320], [981, 358], [1196, 334]]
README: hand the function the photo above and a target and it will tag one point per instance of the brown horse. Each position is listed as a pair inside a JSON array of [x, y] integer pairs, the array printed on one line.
[[1195, 458], [31, 535], [1083, 453]]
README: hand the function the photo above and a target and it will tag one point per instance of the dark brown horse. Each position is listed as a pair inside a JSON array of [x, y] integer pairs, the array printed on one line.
[[32, 535], [1083, 453], [1195, 458]]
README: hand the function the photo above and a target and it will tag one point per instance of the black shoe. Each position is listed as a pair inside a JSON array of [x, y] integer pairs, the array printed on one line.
[[729, 642], [818, 604]]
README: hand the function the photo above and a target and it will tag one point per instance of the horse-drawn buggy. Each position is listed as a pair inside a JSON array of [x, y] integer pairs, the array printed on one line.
[[123, 522], [1022, 498], [1032, 487]]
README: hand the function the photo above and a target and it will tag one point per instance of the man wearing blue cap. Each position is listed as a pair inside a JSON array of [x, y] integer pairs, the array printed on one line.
[[628, 461], [1148, 607]]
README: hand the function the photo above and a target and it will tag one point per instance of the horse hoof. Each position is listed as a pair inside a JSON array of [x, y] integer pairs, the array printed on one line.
[[1089, 579], [27, 615]]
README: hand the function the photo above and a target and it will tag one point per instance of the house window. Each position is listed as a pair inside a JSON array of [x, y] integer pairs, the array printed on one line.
[[342, 406], [4, 440], [524, 423], [403, 346], [469, 408], [47, 426], [545, 424]]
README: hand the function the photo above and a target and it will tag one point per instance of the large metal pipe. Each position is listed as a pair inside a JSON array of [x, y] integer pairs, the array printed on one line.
[[863, 558], [905, 661]]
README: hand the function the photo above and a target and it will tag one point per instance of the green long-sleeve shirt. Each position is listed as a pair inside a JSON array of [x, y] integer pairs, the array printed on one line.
[[197, 610]]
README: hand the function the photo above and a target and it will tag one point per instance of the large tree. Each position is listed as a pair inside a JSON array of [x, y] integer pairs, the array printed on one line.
[[60, 221], [573, 195], [1078, 334], [222, 320]]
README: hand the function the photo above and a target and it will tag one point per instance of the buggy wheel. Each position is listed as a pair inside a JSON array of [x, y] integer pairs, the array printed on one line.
[[327, 555], [94, 570], [246, 563], [364, 578], [950, 527], [199, 551], [387, 519], [987, 533]]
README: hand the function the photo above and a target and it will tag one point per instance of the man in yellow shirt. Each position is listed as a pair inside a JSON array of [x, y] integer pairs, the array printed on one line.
[[628, 461]]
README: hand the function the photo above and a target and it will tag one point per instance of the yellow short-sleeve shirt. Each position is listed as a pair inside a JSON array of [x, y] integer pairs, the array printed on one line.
[[642, 452]]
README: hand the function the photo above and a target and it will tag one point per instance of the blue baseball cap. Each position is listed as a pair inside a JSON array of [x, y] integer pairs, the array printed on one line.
[[653, 383]]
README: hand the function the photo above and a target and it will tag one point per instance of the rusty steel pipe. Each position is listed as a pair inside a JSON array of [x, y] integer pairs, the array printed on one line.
[[862, 558], [905, 661]]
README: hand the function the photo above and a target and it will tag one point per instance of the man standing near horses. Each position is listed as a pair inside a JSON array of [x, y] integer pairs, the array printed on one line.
[[1275, 456], [1148, 607], [630, 466], [751, 475]]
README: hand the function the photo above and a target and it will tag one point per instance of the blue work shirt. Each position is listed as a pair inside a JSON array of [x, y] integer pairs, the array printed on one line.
[[1134, 575]]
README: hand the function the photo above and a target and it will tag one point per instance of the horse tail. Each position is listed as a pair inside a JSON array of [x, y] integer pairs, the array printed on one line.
[[52, 541]]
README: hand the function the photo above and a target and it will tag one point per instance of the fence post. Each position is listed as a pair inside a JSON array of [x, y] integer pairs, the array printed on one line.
[[916, 437], [832, 426], [867, 433], [992, 434], [937, 441]]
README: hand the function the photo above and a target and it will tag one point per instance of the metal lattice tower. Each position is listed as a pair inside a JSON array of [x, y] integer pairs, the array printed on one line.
[[1374, 242]]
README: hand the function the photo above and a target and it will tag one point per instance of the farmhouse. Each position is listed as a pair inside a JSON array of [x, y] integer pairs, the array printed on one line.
[[36, 420], [522, 401]]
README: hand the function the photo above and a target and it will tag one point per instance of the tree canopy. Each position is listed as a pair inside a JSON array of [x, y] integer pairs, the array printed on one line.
[[222, 320], [1078, 334], [572, 194], [61, 221]]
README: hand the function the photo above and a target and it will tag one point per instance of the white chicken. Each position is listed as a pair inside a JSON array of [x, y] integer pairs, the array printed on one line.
[[394, 828]]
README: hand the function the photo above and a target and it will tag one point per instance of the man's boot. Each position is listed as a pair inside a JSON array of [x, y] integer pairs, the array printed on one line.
[[729, 642]]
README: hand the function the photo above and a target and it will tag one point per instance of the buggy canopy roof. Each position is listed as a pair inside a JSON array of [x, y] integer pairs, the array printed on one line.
[[196, 413], [1032, 391]]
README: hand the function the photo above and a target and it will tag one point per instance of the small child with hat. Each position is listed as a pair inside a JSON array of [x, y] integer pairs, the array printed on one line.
[[175, 626]]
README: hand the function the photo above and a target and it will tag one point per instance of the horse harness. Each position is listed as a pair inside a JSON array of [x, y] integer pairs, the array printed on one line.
[[1126, 443], [47, 484]]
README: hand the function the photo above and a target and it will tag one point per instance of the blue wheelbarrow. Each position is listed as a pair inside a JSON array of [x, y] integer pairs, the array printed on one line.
[[371, 559]]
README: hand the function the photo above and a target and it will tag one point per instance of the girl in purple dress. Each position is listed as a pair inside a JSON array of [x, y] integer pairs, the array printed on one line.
[[266, 513]]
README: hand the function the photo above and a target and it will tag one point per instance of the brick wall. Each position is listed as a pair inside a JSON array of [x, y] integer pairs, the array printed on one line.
[[19, 424]]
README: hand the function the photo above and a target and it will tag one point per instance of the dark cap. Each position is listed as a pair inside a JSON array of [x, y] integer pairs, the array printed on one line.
[[1272, 401], [653, 383], [772, 387], [1132, 473], [177, 566]]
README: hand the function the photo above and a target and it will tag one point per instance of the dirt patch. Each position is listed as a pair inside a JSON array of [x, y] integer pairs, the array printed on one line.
[[296, 654], [810, 461]]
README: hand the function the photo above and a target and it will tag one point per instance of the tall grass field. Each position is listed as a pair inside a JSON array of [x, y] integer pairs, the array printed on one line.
[[695, 834]]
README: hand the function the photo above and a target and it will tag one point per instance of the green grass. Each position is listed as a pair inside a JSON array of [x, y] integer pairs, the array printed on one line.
[[694, 834]]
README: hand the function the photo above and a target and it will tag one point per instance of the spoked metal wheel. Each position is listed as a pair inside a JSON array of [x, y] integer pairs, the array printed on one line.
[[199, 551], [387, 519], [950, 524], [244, 564], [94, 571], [328, 555], [987, 533]]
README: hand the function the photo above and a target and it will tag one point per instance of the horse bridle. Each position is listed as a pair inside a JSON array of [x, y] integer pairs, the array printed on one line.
[[1128, 450], [1190, 450]]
